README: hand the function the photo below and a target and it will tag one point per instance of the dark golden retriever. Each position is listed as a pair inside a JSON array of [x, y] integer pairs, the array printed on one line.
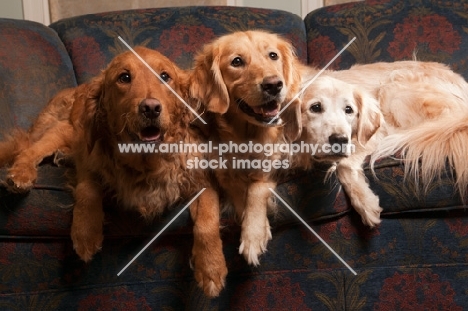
[[127, 103]]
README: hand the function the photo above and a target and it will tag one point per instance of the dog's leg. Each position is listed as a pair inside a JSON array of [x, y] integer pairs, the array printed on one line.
[[88, 218], [256, 231], [351, 175], [207, 254], [23, 173], [12, 145]]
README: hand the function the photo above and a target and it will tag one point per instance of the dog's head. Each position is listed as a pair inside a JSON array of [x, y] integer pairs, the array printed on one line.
[[129, 103], [337, 115], [251, 75]]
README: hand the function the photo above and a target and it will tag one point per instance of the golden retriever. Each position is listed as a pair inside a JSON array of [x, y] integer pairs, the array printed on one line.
[[345, 124], [417, 108], [127, 103], [246, 79]]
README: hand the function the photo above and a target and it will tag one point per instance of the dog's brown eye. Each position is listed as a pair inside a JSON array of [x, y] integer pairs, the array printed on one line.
[[316, 107], [125, 78], [349, 110], [237, 62], [273, 56], [165, 76]]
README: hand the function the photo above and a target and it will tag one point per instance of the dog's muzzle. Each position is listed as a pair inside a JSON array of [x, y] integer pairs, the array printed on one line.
[[150, 110], [267, 114]]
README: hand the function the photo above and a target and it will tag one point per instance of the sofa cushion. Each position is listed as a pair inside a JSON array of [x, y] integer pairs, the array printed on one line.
[[34, 66], [417, 262], [92, 40], [46, 211], [389, 30]]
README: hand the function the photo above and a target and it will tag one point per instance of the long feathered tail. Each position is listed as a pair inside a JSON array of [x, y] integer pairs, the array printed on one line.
[[427, 148], [11, 146]]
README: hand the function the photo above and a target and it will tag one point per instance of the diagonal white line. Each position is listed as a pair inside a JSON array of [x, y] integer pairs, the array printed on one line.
[[164, 82], [162, 230], [313, 231], [312, 80]]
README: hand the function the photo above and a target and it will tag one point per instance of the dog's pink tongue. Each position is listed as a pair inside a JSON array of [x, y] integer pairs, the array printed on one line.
[[150, 134], [266, 110]]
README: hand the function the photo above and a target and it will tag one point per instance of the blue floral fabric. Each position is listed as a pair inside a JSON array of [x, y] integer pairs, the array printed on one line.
[[415, 260], [389, 30], [92, 40], [34, 67]]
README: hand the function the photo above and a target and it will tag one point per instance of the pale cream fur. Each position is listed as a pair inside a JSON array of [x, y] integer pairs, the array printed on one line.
[[333, 107], [423, 113]]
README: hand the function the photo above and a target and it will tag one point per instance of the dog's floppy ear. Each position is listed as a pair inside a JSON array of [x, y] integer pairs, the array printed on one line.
[[206, 81], [292, 75], [91, 119], [292, 121], [369, 118], [292, 67]]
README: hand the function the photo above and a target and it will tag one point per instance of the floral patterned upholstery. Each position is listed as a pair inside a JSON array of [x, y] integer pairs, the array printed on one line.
[[416, 260], [30, 75], [389, 30], [92, 40]]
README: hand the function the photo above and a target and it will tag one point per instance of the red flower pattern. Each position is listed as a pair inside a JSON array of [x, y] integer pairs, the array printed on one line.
[[266, 294], [434, 32], [323, 50], [87, 55], [120, 299], [182, 40], [416, 291], [457, 226], [346, 229]]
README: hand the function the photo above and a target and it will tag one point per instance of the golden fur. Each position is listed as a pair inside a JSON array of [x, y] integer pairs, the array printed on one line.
[[49, 134], [245, 78], [127, 103], [417, 108]]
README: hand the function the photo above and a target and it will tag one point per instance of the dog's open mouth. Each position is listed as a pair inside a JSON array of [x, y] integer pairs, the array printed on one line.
[[330, 158], [150, 134], [265, 113]]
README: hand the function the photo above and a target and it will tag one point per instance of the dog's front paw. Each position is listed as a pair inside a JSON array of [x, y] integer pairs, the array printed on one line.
[[254, 242], [371, 212], [210, 271], [86, 241], [21, 178]]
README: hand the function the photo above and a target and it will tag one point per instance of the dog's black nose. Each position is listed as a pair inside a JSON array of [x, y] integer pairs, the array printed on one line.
[[272, 85], [150, 108], [337, 139]]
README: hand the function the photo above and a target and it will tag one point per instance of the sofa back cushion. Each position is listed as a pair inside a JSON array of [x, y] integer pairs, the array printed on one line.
[[389, 30], [34, 65], [92, 40]]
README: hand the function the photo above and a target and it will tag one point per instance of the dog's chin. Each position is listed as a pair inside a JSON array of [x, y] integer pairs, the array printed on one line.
[[266, 115]]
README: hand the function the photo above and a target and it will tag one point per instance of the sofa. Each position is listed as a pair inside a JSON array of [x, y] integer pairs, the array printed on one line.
[[417, 259]]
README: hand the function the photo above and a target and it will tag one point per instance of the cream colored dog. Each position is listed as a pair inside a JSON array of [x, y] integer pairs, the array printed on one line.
[[417, 108], [345, 123]]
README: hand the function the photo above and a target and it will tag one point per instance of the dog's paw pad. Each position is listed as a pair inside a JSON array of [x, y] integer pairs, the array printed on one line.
[[253, 244], [371, 218], [211, 278], [21, 178], [86, 246]]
